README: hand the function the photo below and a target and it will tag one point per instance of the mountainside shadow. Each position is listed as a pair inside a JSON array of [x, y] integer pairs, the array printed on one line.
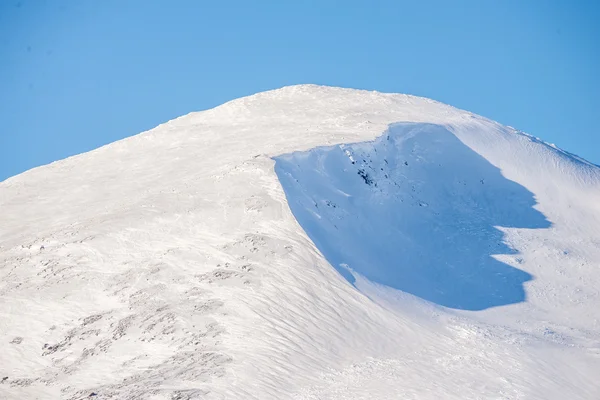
[[414, 210]]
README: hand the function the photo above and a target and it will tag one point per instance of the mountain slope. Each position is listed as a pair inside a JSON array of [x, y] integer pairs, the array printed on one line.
[[305, 243]]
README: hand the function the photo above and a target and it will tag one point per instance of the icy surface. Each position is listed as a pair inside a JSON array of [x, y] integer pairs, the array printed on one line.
[[305, 243]]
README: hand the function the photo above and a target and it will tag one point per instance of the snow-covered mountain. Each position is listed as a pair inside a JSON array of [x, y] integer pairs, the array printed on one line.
[[305, 243]]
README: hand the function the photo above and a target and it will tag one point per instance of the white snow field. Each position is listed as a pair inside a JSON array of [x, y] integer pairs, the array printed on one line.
[[305, 243]]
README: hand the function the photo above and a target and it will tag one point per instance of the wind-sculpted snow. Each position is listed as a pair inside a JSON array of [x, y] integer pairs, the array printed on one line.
[[415, 210], [204, 259]]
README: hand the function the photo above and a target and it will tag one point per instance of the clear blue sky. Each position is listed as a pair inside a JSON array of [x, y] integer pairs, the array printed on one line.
[[78, 74]]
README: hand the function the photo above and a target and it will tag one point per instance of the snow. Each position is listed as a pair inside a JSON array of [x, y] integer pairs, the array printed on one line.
[[280, 246], [417, 211]]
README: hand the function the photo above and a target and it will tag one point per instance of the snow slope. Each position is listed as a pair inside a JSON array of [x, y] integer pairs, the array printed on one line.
[[305, 243]]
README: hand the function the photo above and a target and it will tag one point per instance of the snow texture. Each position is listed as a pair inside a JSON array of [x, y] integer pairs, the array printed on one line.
[[305, 243]]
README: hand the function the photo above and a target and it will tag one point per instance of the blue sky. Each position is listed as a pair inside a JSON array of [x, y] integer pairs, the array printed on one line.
[[75, 75]]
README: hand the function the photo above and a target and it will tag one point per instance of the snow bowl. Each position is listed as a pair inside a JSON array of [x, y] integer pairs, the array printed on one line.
[[415, 210]]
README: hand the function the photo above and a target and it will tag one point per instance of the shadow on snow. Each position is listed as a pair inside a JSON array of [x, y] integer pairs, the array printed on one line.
[[415, 210]]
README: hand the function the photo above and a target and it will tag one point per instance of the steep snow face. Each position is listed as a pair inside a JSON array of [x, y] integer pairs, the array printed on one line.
[[305, 243], [415, 210]]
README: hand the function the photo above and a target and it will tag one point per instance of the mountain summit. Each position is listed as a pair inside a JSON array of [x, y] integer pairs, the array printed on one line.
[[305, 243]]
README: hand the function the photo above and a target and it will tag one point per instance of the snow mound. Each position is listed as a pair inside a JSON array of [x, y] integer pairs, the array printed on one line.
[[305, 243]]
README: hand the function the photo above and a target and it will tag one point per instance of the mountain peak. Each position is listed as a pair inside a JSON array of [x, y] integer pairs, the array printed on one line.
[[308, 242]]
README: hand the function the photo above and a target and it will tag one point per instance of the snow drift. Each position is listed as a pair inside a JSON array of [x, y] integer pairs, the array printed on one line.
[[305, 243]]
